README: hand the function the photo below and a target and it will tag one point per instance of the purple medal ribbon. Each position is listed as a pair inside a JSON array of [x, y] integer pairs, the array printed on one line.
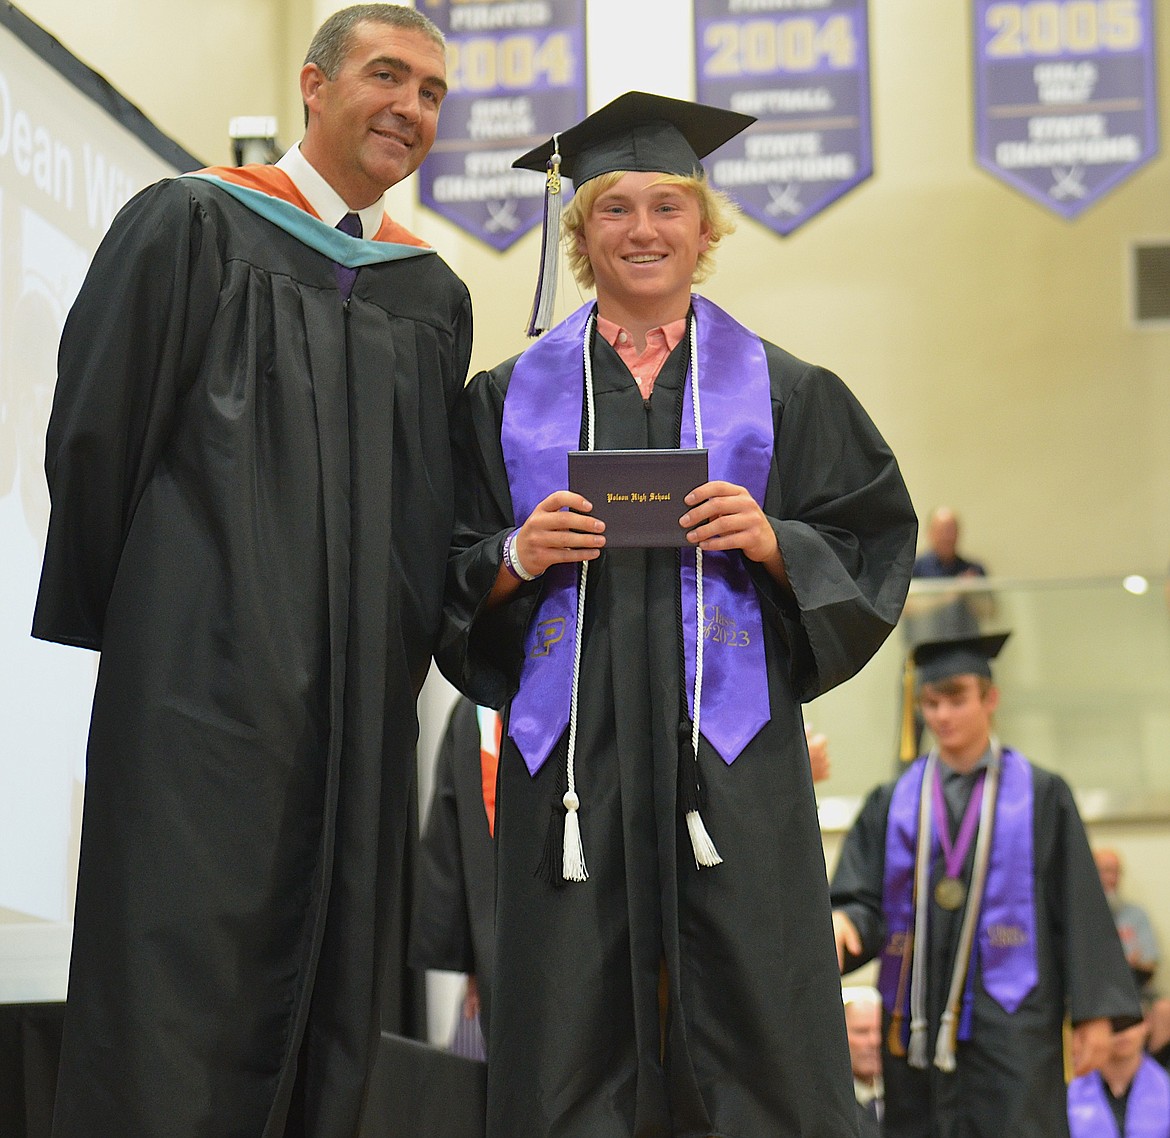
[[541, 424], [955, 854], [1006, 934], [1147, 1112]]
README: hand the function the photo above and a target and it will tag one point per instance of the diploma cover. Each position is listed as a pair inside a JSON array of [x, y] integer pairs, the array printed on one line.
[[638, 493]]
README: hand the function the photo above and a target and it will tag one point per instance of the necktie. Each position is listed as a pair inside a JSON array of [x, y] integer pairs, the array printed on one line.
[[351, 224]]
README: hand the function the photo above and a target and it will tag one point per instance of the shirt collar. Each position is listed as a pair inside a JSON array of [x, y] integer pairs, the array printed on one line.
[[981, 764], [672, 333], [327, 203]]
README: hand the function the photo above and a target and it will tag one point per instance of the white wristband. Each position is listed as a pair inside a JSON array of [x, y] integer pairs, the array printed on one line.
[[512, 560]]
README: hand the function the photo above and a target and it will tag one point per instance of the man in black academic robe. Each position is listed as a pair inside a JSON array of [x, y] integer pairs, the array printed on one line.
[[1008, 1078], [747, 1037], [251, 506]]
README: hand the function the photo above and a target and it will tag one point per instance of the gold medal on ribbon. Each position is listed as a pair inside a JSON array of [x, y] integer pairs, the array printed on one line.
[[950, 893]]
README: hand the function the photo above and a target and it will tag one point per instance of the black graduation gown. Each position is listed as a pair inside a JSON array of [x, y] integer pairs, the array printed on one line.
[[1009, 1080], [251, 509], [755, 1041], [454, 925]]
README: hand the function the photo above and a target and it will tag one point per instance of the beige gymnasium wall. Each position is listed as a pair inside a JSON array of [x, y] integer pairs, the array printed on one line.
[[989, 339]]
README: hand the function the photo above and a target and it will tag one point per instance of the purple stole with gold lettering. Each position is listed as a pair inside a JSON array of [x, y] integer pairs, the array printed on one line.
[[1005, 945], [542, 423], [1147, 1112]]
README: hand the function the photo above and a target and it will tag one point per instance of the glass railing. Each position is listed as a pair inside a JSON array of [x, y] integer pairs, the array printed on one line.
[[1084, 689]]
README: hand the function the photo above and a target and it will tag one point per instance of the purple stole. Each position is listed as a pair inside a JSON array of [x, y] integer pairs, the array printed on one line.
[[1147, 1113], [1005, 942], [541, 424]]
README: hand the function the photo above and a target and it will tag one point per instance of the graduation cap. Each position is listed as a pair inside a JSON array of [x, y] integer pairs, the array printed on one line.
[[967, 656], [936, 660], [636, 132]]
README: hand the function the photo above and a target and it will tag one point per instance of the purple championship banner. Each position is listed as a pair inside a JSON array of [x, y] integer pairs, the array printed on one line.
[[1065, 96], [802, 68], [516, 74]]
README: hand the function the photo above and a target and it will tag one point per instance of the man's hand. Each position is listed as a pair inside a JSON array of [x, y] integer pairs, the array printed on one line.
[[818, 754], [725, 516], [846, 937], [1091, 1042]]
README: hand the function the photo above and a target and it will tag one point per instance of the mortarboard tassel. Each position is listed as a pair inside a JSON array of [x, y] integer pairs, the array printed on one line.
[[540, 319], [908, 744]]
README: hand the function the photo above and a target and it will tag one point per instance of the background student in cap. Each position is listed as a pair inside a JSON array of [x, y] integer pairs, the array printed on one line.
[[624, 863], [972, 877], [1129, 1097]]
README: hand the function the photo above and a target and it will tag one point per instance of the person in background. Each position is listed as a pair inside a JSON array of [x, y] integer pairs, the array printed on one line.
[[942, 557], [863, 1028], [453, 927], [252, 496], [649, 839], [1133, 924], [971, 878], [1129, 1097], [1140, 944]]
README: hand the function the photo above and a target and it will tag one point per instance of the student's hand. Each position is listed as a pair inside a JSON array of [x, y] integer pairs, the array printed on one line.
[[559, 531], [725, 516], [1091, 1042], [847, 939]]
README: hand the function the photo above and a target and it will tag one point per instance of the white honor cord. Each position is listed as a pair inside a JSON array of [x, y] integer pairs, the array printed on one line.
[[573, 854], [944, 1050], [706, 855], [917, 1054]]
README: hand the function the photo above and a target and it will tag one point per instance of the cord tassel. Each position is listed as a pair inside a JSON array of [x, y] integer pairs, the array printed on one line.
[[944, 1049], [573, 862], [894, 1036], [706, 855], [917, 1057], [552, 858]]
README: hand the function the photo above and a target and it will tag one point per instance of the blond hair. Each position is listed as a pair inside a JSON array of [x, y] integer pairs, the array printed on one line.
[[716, 210]]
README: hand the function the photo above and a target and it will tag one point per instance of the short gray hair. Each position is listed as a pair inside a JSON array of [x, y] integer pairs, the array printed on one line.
[[332, 41]]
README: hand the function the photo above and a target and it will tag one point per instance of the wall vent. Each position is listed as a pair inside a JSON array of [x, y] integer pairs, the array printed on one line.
[[1151, 283]]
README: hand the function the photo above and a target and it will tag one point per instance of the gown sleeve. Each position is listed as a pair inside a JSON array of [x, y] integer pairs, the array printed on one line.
[[845, 526], [856, 886], [130, 349], [481, 650], [1098, 982]]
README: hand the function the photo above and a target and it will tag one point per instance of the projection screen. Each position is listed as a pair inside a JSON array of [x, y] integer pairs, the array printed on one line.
[[72, 152]]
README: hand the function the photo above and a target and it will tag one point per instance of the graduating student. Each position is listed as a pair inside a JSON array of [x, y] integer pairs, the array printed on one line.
[[248, 458], [1129, 1097], [972, 878], [646, 835]]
